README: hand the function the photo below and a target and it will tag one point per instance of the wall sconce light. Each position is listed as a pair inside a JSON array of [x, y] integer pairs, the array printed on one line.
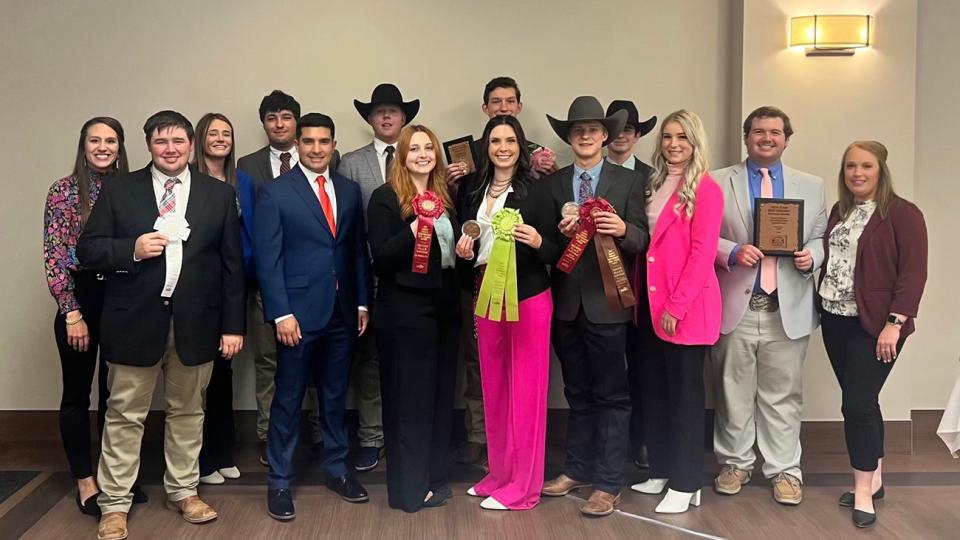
[[831, 35]]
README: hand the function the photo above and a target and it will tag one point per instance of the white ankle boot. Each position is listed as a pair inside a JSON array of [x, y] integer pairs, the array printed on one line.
[[492, 504], [677, 502], [653, 486]]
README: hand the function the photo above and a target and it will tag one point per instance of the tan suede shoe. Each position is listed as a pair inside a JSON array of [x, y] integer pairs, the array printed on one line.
[[560, 486], [113, 526], [787, 489], [193, 509], [600, 503], [730, 480]]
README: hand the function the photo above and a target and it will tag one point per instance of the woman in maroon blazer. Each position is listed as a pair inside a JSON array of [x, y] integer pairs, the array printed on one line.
[[873, 275]]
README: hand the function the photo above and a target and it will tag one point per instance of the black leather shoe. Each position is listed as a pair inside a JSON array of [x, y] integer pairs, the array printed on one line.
[[263, 454], [846, 500], [89, 506], [280, 504], [349, 488], [139, 496], [863, 519], [439, 497]]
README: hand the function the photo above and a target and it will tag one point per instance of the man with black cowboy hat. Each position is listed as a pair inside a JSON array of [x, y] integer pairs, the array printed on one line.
[[369, 166], [620, 152], [620, 149], [590, 316]]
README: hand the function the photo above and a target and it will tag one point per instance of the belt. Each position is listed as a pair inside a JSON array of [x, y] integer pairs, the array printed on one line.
[[763, 302]]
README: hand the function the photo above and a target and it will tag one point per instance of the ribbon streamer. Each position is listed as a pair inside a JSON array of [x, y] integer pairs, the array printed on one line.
[[428, 207], [499, 285]]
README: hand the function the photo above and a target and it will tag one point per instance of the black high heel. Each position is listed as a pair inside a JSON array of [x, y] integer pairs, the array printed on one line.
[[88, 507]]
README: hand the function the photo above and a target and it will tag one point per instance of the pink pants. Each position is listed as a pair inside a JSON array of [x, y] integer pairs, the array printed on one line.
[[514, 373]]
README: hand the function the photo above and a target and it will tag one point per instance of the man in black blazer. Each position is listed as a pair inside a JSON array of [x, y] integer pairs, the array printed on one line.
[[589, 336], [171, 238], [279, 114]]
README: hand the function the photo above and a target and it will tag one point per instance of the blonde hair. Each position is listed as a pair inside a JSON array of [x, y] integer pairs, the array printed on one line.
[[402, 181], [694, 170], [885, 194]]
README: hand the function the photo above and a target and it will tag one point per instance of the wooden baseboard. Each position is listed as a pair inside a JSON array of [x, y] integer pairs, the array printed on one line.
[[817, 437]]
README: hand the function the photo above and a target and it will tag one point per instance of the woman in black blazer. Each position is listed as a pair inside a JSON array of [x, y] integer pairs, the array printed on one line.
[[418, 324], [514, 355]]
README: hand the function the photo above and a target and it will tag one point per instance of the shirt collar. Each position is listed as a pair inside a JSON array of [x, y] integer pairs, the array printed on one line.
[[776, 170], [161, 178], [381, 146], [594, 171], [312, 176], [292, 151]]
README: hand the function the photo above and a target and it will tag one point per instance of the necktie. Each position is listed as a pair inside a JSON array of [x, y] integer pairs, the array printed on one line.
[[586, 188], [768, 265], [326, 205], [284, 162], [168, 202], [386, 167]]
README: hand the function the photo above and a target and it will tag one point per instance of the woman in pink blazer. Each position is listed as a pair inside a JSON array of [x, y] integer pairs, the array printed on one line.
[[684, 210]]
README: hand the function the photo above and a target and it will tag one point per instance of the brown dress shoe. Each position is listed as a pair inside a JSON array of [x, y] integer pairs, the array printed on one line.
[[730, 480], [193, 509], [560, 486], [113, 526], [787, 489], [600, 503]]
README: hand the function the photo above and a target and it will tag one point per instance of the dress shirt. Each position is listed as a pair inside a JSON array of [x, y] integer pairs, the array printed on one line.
[[173, 253], [630, 163], [381, 148], [594, 173], [275, 159]]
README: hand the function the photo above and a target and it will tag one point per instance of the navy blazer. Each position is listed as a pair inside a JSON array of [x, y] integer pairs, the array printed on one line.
[[301, 268]]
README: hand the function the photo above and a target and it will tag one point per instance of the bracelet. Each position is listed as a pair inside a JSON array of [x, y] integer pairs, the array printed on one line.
[[71, 323]]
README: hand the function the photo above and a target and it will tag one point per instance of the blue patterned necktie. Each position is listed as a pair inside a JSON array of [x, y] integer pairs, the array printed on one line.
[[586, 188]]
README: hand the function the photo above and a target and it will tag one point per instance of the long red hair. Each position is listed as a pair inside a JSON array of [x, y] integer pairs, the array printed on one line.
[[402, 181]]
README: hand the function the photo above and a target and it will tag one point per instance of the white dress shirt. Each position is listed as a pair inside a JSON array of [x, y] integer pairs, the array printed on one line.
[[173, 253], [630, 163], [275, 159], [381, 148]]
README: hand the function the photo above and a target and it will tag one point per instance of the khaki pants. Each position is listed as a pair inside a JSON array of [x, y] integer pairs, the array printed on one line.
[[131, 391], [472, 390], [758, 372], [262, 339]]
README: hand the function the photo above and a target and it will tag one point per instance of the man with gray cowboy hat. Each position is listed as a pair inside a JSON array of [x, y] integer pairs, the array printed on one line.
[[369, 166], [588, 334], [620, 152]]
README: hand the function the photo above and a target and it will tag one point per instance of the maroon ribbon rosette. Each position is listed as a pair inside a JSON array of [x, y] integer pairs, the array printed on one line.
[[427, 206], [616, 286]]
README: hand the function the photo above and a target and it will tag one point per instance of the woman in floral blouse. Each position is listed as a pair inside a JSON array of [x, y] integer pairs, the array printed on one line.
[[79, 293], [875, 268]]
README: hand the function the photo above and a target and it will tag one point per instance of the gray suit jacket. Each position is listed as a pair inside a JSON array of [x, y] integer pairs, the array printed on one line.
[[624, 189], [257, 165], [362, 166], [794, 289]]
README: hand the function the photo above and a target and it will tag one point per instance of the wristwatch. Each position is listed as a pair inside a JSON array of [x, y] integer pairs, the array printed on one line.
[[893, 320]]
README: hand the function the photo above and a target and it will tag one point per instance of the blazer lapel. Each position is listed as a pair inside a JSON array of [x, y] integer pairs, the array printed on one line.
[[374, 162], [303, 188], [566, 184], [266, 170], [739, 183], [607, 173], [343, 201], [665, 219], [196, 205], [146, 199], [791, 188]]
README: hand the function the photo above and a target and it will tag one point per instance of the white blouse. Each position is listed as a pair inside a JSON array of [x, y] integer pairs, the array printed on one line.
[[486, 227], [837, 289]]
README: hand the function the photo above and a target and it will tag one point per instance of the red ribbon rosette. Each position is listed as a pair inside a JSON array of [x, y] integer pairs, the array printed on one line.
[[427, 206], [616, 286]]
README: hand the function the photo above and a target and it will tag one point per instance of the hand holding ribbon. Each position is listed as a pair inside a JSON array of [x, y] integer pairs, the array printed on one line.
[[428, 207], [499, 286]]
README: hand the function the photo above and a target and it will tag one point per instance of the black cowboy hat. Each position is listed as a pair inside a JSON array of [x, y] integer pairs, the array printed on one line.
[[386, 93], [633, 117]]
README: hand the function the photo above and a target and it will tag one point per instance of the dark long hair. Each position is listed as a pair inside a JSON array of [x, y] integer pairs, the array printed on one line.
[[82, 172], [521, 178], [199, 141]]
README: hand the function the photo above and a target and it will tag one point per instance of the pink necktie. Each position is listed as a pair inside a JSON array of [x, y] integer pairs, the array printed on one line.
[[768, 265]]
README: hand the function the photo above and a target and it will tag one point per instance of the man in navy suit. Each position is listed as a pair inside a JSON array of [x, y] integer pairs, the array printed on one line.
[[311, 256]]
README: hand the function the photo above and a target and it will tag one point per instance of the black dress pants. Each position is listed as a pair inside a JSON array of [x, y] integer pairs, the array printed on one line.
[[218, 428], [638, 346], [418, 335], [673, 404], [853, 355], [595, 385], [78, 369]]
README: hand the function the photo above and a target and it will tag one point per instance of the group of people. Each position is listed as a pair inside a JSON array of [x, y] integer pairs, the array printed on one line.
[[380, 267]]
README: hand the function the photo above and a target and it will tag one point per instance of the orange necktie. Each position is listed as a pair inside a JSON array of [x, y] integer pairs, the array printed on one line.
[[768, 264], [325, 204]]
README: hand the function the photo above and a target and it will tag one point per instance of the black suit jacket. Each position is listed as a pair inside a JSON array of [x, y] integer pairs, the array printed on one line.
[[209, 298], [391, 243], [532, 275], [257, 165], [624, 189]]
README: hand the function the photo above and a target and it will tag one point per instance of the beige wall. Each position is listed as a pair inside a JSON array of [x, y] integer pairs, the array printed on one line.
[[63, 62]]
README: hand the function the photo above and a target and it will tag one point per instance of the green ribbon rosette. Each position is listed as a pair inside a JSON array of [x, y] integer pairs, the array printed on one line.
[[499, 284]]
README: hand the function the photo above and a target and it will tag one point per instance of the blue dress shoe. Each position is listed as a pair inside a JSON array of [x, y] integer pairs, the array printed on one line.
[[368, 457], [349, 488], [280, 504]]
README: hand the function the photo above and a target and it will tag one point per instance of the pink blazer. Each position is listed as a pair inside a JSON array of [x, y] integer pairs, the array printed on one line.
[[680, 268]]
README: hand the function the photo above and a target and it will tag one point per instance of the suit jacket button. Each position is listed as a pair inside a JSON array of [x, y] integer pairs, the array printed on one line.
[[746, 291], [650, 259], [166, 302], [653, 289]]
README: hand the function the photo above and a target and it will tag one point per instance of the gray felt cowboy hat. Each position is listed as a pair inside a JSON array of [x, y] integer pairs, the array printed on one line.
[[588, 108], [388, 94]]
